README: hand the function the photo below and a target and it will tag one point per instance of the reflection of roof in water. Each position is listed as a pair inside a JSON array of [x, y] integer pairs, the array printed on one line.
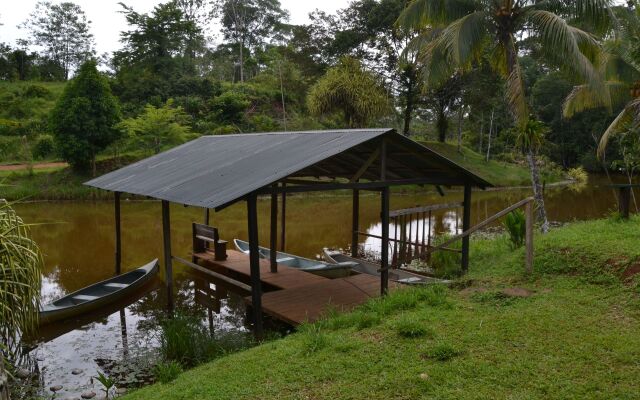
[[215, 170]]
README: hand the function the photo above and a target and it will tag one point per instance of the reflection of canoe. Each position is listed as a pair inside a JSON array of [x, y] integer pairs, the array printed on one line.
[[98, 295], [371, 268], [329, 270]]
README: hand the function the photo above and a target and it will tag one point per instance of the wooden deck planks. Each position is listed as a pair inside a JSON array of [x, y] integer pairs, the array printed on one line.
[[309, 303], [237, 264], [297, 296]]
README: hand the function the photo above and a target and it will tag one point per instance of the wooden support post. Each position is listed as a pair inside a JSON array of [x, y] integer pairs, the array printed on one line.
[[394, 257], [166, 240], [274, 233], [624, 201], [466, 224], [206, 216], [355, 222], [384, 251], [528, 239], [254, 263], [283, 220], [118, 253]]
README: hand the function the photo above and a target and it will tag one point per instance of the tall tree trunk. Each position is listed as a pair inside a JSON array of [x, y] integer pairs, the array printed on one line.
[[284, 110], [538, 194], [460, 112], [442, 125], [408, 110], [481, 131], [489, 138], [241, 43], [93, 163]]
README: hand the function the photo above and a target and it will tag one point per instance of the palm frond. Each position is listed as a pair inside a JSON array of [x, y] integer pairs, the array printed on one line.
[[516, 96], [557, 35], [463, 39], [585, 97], [420, 13], [628, 118]]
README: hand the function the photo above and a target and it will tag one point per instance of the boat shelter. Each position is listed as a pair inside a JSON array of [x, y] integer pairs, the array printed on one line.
[[214, 172]]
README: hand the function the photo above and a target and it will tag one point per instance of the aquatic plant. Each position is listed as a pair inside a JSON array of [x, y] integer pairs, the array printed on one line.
[[166, 372], [20, 269], [107, 382], [516, 224], [578, 174]]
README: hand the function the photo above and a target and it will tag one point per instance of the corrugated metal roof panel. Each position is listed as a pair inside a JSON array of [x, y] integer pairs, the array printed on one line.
[[214, 170]]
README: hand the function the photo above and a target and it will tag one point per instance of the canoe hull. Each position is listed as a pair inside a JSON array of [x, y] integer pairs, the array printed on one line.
[[125, 284], [327, 270], [371, 268]]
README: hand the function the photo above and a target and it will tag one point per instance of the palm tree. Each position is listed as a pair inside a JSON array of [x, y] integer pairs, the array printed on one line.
[[20, 267], [473, 29], [618, 83]]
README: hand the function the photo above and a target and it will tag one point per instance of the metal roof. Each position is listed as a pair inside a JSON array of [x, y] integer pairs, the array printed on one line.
[[215, 170]]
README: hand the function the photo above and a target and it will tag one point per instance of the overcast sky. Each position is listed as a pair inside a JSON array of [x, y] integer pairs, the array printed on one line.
[[107, 22]]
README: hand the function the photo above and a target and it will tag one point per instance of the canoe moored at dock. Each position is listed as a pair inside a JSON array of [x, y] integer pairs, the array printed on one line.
[[329, 270], [98, 295]]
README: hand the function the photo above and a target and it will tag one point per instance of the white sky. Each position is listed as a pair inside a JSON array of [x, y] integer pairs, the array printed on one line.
[[107, 22]]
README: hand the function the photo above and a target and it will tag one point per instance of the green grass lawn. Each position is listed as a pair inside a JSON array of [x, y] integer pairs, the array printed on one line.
[[575, 337]]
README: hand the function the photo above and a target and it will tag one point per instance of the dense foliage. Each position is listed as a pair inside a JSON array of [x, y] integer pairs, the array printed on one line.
[[445, 70]]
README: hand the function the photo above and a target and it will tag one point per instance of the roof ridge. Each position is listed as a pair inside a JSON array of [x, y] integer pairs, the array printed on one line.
[[302, 132]]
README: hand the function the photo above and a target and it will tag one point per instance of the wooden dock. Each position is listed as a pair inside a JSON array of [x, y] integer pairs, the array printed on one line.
[[295, 296]]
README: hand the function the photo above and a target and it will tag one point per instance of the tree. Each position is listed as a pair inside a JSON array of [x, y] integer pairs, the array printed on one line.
[[529, 141], [84, 117], [442, 101], [470, 29], [20, 269], [617, 83], [158, 127], [63, 31], [249, 24], [349, 89]]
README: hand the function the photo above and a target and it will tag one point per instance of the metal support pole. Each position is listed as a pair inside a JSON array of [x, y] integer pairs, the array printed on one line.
[[466, 224], [283, 220], [254, 262], [355, 223], [206, 216], [118, 253], [274, 233], [166, 240]]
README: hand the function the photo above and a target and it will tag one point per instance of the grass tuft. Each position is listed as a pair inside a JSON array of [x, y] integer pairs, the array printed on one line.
[[411, 327], [443, 352], [166, 372]]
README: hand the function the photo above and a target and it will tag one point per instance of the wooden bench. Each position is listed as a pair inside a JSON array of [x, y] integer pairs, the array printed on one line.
[[203, 236]]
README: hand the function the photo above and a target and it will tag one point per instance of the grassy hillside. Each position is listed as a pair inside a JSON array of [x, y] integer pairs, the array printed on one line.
[[497, 172], [569, 331]]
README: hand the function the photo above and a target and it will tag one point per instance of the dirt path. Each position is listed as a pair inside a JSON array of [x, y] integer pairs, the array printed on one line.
[[19, 167]]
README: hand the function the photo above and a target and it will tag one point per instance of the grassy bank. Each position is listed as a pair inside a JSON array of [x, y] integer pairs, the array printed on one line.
[[568, 331], [64, 184]]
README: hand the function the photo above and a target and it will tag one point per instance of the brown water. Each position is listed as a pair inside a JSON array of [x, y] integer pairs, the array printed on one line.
[[77, 239]]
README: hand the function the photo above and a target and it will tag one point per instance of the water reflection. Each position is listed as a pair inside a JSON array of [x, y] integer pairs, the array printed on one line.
[[78, 245]]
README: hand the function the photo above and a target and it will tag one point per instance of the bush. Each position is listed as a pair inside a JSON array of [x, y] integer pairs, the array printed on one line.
[[44, 147], [36, 91], [578, 174], [166, 372], [11, 148], [516, 225]]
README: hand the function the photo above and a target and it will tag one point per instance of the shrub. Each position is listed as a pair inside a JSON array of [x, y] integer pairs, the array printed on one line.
[[515, 224], [11, 148], [43, 147], [578, 174], [166, 372], [36, 91]]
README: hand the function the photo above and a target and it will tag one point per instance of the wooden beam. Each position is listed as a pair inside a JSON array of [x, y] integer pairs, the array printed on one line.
[[206, 216], [273, 236], [376, 185], [118, 250], [414, 210], [254, 263], [384, 205], [466, 224], [355, 222], [365, 166], [166, 240], [215, 275]]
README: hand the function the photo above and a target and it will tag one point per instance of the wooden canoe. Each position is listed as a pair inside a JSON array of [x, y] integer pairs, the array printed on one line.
[[98, 295], [328, 270], [371, 268]]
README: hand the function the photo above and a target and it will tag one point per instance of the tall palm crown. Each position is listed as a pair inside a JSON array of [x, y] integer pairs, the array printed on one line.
[[471, 29], [618, 80]]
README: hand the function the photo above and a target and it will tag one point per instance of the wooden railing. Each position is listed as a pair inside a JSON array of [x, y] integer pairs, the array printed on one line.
[[528, 205]]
